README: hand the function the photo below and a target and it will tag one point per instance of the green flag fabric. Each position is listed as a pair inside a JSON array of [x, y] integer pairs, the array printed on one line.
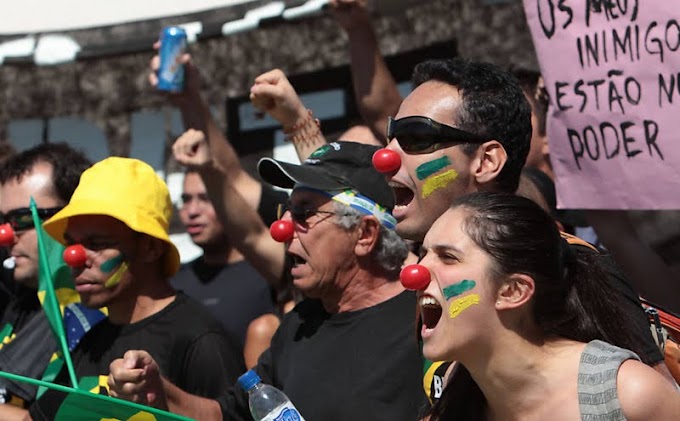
[[81, 405], [50, 253]]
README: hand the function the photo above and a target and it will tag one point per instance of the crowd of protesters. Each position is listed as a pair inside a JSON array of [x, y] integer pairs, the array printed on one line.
[[516, 318]]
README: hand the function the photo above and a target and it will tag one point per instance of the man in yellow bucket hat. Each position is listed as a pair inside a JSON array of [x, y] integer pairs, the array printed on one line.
[[119, 215]]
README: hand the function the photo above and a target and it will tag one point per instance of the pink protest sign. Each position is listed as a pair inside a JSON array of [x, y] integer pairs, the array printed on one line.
[[612, 70]]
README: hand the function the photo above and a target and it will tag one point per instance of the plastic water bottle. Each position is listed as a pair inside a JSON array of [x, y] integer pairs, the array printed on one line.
[[266, 402]]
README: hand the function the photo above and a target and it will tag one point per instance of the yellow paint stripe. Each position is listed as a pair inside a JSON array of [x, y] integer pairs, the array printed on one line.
[[116, 277], [438, 181], [459, 305]]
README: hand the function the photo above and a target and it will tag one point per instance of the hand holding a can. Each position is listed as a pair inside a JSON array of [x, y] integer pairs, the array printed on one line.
[[191, 84], [273, 94]]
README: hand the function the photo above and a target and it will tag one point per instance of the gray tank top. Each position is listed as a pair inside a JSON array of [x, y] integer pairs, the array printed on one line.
[[597, 396]]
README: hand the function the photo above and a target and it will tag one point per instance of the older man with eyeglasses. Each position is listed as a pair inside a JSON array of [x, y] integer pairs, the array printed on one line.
[[347, 350]]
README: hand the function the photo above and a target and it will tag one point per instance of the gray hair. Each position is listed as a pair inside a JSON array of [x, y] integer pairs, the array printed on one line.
[[390, 251]]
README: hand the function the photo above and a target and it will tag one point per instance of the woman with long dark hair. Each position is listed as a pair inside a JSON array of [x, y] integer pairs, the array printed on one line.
[[534, 326]]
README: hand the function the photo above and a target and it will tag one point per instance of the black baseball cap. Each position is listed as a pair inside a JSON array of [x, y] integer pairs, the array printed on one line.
[[337, 165]]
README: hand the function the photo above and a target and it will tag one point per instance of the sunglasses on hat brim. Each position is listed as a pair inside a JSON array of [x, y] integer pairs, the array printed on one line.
[[424, 135]]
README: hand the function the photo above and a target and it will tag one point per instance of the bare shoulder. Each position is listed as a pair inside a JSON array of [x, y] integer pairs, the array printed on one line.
[[645, 394], [265, 325]]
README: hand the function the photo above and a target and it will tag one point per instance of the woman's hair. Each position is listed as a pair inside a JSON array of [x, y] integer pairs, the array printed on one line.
[[573, 297], [390, 251]]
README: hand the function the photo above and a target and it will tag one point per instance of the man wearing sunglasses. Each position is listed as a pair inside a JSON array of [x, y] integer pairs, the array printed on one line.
[[347, 350], [465, 127], [49, 173]]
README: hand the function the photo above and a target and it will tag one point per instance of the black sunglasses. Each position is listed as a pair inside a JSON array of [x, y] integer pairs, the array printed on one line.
[[422, 134], [299, 215], [21, 219]]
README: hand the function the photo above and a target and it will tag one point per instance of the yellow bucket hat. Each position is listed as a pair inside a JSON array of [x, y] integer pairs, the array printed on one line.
[[125, 189]]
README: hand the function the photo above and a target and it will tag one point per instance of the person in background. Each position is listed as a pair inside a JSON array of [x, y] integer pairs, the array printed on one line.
[[612, 230], [221, 279], [6, 287]]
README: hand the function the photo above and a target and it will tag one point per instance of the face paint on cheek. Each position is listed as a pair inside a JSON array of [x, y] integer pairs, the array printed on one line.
[[457, 289], [461, 304], [437, 182], [116, 276], [427, 169]]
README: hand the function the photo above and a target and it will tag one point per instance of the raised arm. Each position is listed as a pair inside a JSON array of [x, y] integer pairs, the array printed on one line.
[[196, 115], [246, 230], [376, 92], [273, 94]]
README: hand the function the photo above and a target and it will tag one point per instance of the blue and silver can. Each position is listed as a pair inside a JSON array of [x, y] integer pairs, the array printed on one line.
[[171, 71]]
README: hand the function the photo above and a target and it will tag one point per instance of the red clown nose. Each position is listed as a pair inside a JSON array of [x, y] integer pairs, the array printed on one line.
[[6, 235], [75, 256], [386, 161], [281, 231], [415, 277]]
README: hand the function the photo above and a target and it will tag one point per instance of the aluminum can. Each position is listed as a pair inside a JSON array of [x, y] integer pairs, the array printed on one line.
[[171, 71]]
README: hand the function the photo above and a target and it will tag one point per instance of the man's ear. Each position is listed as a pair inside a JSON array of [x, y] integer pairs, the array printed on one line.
[[151, 249], [490, 160], [515, 292], [368, 234]]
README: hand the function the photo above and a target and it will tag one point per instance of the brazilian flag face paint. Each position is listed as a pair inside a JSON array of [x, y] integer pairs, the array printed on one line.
[[429, 173], [458, 305], [120, 267]]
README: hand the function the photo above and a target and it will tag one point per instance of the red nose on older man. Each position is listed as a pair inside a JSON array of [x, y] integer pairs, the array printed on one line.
[[282, 231], [6, 235], [75, 256], [415, 277], [386, 161]]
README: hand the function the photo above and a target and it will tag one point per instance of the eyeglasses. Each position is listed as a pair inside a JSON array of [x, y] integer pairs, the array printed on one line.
[[21, 219], [422, 134], [298, 214]]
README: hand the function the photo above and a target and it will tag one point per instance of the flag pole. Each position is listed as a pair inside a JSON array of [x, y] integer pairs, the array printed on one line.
[[51, 305]]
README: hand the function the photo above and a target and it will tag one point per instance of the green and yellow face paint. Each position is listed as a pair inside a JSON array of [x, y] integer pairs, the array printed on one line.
[[429, 173], [119, 265], [459, 305]]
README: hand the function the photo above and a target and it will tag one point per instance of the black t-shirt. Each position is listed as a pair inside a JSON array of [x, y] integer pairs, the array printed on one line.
[[348, 366], [22, 307], [234, 293], [189, 345]]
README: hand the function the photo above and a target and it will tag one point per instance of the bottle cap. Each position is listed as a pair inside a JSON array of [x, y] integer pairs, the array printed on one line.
[[248, 380]]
